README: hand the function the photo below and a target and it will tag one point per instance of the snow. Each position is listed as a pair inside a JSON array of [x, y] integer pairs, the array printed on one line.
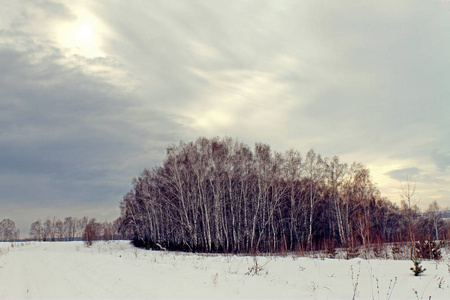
[[117, 270]]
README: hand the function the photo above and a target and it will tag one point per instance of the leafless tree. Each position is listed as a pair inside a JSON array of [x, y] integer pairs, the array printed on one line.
[[91, 232], [59, 230], [409, 206], [314, 172], [434, 215], [8, 231], [70, 228], [36, 230]]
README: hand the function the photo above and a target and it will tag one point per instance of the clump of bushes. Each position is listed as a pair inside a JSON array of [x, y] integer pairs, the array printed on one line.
[[330, 250], [352, 252], [396, 251], [256, 268], [381, 251], [428, 249]]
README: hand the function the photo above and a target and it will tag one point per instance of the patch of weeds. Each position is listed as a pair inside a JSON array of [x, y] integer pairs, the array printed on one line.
[[215, 279], [441, 282], [330, 250], [391, 288], [231, 271], [396, 251], [314, 286], [352, 253], [355, 279], [379, 252], [416, 293], [228, 259], [256, 269]]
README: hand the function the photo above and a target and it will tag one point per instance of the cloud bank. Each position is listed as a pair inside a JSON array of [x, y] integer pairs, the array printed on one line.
[[93, 92]]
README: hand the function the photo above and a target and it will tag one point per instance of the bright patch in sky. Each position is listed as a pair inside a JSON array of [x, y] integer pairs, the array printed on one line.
[[213, 118], [81, 36], [85, 34]]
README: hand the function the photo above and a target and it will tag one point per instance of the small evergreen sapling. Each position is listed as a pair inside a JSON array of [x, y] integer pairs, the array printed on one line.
[[417, 269]]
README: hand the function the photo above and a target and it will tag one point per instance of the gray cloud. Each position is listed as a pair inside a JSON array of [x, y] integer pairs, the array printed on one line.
[[442, 159], [396, 95], [69, 137], [360, 80], [404, 174]]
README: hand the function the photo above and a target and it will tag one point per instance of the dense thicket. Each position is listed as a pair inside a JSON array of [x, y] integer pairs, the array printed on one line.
[[219, 195]]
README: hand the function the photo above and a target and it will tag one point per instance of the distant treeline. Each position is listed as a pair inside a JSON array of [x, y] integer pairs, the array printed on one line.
[[53, 229], [217, 195]]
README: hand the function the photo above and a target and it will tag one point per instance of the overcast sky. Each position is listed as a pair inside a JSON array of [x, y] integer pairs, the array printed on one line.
[[92, 92]]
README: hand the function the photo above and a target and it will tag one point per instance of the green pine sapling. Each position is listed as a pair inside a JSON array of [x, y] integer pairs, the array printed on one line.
[[417, 269]]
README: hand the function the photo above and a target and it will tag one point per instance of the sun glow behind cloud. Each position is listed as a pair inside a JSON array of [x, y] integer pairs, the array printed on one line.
[[239, 101], [81, 36], [82, 40]]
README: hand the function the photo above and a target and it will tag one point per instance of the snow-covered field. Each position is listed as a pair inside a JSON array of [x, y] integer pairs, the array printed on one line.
[[116, 270]]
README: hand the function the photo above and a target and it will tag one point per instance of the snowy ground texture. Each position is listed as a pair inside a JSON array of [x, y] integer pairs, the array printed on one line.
[[116, 270]]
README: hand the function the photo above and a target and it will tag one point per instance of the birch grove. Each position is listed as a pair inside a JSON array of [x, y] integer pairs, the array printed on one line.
[[219, 195]]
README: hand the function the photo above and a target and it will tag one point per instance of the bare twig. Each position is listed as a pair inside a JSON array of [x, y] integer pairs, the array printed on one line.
[[391, 288], [355, 280]]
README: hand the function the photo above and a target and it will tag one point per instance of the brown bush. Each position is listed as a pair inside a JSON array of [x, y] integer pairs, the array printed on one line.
[[91, 233]]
